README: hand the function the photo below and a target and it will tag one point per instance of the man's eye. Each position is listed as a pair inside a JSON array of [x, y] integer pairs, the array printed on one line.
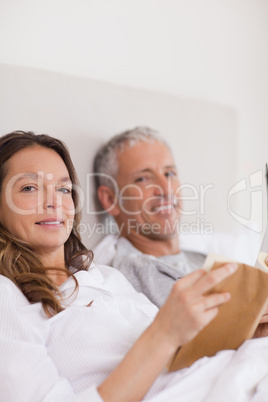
[[171, 174], [28, 189], [140, 179]]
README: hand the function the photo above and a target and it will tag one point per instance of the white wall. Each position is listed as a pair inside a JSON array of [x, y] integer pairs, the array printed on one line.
[[210, 49]]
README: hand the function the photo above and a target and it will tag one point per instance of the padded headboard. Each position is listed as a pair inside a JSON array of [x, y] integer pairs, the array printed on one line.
[[85, 113]]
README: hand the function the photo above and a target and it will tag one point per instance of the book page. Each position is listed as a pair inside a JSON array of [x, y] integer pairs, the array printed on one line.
[[262, 259]]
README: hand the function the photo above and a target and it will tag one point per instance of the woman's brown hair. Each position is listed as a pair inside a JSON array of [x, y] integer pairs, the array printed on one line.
[[18, 261]]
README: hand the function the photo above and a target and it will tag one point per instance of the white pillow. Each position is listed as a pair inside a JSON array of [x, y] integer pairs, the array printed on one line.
[[242, 246]]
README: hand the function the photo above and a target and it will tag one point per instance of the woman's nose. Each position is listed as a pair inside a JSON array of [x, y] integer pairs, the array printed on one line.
[[52, 199]]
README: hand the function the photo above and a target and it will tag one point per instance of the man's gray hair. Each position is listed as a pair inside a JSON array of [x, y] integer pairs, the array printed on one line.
[[105, 161]]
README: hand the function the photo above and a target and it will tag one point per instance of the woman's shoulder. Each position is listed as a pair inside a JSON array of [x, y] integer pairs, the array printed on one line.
[[6, 285], [11, 297]]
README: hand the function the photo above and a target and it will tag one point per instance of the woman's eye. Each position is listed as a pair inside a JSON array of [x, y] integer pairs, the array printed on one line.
[[65, 190], [28, 189]]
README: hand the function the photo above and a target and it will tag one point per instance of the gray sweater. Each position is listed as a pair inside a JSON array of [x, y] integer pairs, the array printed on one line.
[[154, 276]]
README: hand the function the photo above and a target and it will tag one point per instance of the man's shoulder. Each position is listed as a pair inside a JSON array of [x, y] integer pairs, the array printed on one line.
[[110, 246], [105, 250], [118, 251], [195, 257]]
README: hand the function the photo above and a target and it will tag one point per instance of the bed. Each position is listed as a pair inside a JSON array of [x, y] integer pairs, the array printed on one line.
[[84, 113]]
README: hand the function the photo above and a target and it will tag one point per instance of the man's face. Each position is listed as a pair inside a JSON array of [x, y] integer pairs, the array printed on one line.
[[148, 191]]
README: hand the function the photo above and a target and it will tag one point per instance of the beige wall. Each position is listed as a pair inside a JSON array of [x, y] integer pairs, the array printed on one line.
[[85, 113], [209, 50], [214, 50]]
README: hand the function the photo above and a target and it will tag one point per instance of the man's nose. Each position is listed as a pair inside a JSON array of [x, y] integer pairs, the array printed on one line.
[[163, 186]]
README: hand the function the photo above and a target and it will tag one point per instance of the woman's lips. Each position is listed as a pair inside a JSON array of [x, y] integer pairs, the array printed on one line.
[[50, 221]]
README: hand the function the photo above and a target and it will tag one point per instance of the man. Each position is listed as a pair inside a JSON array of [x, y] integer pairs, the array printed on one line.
[[138, 185]]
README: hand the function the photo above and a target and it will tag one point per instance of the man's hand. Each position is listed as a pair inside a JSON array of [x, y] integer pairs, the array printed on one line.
[[264, 317], [262, 328]]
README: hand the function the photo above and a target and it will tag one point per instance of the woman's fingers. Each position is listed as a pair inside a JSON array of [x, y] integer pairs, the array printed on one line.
[[207, 317], [214, 300], [202, 281], [191, 279], [213, 278]]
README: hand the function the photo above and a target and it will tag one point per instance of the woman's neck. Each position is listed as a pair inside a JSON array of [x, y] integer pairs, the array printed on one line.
[[55, 260]]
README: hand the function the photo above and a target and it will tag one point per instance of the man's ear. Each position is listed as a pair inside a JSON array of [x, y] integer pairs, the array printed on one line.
[[108, 200]]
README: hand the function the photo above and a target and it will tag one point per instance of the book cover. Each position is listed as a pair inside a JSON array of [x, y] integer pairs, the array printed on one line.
[[236, 320]]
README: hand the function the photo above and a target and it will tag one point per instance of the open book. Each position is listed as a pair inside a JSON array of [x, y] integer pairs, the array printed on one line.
[[238, 319]]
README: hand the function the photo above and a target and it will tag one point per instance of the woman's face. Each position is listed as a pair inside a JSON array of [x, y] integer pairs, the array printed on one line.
[[36, 202]]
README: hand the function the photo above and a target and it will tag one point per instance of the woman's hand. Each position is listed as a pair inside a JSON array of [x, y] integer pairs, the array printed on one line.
[[187, 310], [184, 314]]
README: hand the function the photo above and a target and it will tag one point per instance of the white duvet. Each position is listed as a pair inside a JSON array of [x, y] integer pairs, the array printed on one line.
[[239, 376], [66, 357]]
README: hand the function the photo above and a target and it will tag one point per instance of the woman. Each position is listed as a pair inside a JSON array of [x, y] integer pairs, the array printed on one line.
[[68, 329]]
